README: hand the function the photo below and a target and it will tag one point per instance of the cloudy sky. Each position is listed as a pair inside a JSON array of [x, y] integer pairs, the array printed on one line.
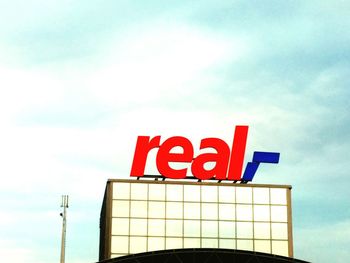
[[80, 80]]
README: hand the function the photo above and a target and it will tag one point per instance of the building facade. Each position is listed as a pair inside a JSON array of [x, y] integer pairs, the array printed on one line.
[[153, 215]]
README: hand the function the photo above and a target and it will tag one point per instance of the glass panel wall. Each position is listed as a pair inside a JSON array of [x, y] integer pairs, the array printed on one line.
[[162, 215]]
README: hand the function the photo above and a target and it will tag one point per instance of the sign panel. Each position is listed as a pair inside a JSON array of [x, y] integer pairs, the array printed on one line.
[[228, 161]]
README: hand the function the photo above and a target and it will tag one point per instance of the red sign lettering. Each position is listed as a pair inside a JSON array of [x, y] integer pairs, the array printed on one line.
[[228, 162]]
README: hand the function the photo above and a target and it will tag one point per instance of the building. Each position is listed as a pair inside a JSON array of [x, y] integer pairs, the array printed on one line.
[[158, 217]]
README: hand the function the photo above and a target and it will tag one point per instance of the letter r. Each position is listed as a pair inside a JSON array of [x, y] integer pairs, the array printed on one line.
[[143, 146]]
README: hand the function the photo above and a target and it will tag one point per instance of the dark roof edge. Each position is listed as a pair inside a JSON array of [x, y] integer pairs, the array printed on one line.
[[183, 251]]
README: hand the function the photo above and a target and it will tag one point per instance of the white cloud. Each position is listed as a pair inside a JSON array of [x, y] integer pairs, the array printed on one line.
[[160, 63], [23, 89], [18, 255]]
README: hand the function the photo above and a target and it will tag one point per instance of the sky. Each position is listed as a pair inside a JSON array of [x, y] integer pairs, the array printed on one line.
[[80, 80]]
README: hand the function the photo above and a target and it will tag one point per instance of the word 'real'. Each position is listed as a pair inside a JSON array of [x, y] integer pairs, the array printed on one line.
[[228, 162]]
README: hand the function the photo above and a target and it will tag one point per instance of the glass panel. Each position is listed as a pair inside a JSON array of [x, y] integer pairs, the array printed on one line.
[[138, 191], [155, 243], [227, 243], [261, 213], [192, 243], [192, 210], [138, 227], [210, 243], [192, 192], [120, 208], [119, 244], [280, 248], [192, 228], [209, 228], [227, 212], [245, 244], [117, 255], [138, 209], [227, 194], [209, 193], [262, 230], [279, 231], [156, 209], [261, 195], [156, 192], [209, 211], [121, 191], [278, 196], [227, 229], [120, 226], [174, 210], [172, 243], [262, 246], [174, 228], [156, 227], [174, 192], [279, 213], [244, 195], [138, 244], [244, 212], [244, 230]]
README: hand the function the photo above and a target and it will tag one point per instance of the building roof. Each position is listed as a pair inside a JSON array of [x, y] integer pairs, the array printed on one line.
[[202, 255]]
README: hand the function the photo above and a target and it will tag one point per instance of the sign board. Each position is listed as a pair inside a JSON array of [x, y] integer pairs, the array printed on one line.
[[228, 161]]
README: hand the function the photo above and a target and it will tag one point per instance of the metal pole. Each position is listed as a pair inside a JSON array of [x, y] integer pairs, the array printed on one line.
[[64, 204]]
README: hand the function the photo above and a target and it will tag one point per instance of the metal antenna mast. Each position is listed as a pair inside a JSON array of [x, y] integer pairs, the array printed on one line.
[[64, 204]]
